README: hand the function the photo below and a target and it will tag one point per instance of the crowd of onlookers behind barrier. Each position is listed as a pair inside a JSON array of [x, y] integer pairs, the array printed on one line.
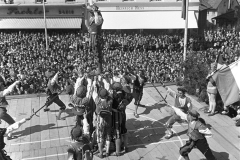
[[158, 54]]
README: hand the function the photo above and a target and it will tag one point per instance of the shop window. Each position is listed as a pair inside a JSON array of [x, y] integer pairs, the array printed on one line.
[[40, 1], [70, 0], [8, 1]]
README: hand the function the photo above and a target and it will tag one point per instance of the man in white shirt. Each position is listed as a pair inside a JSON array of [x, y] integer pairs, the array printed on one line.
[[182, 103]]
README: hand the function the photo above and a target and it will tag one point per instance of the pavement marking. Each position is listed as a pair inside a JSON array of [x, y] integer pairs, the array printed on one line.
[[162, 142], [14, 144], [53, 155], [179, 138]]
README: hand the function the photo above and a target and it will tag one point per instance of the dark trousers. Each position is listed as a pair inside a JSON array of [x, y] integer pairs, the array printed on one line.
[[4, 156], [54, 98], [200, 144], [96, 43], [137, 97], [5, 116]]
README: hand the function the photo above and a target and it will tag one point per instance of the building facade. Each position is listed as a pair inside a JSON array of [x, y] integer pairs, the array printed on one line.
[[118, 14], [220, 7]]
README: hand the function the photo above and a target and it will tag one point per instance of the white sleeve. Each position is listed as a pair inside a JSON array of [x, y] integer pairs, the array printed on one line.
[[54, 79], [15, 126], [206, 132], [9, 89], [94, 94], [77, 84], [106, 85]]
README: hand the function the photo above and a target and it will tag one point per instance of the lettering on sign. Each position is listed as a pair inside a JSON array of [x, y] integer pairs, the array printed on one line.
[[129, 8], [66, 11], [27, 11]]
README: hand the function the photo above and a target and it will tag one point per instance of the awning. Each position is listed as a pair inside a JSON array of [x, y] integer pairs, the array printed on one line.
[[38, 23], [229, 16], [147, 20]]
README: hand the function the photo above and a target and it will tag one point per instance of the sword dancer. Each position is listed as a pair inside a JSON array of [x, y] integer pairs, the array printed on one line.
[[93, 22], [197, 133], [181, 102], [52, 91], [4, 104], [138, 83]]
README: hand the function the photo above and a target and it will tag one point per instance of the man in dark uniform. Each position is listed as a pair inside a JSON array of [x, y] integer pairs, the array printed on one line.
[[52, 91], [93, 22], [197, 132]]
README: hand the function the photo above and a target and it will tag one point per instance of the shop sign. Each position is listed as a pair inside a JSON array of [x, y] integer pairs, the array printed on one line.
[[66, 12], [118, 8], [27, 11]]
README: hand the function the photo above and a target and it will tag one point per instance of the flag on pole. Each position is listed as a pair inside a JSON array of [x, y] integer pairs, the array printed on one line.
[[184, 3], [228, 83]]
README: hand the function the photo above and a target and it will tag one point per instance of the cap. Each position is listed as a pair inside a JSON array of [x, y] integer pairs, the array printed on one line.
[[103, 93], [76, 132], [81, 92], [117, 86]]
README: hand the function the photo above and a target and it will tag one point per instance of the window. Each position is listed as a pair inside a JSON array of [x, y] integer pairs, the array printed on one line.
[[40, 1], [8, 1], [70, 0], [128, 0], [156, 0], [101, 0]]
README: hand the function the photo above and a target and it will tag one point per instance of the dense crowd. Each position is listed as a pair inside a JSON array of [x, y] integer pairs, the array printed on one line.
[[158, 54]]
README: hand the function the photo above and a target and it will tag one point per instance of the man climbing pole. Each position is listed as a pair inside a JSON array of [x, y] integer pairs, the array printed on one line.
[[93, 22]]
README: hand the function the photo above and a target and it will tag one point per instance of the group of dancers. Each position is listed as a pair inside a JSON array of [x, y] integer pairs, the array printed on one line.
[[99, 103]]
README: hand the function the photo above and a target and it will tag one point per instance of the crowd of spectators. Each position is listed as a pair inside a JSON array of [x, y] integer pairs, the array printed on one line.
[[159, 55]]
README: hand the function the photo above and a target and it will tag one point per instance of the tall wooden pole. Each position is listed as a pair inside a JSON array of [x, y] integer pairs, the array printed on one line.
[[45, 24], [185, 32]]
